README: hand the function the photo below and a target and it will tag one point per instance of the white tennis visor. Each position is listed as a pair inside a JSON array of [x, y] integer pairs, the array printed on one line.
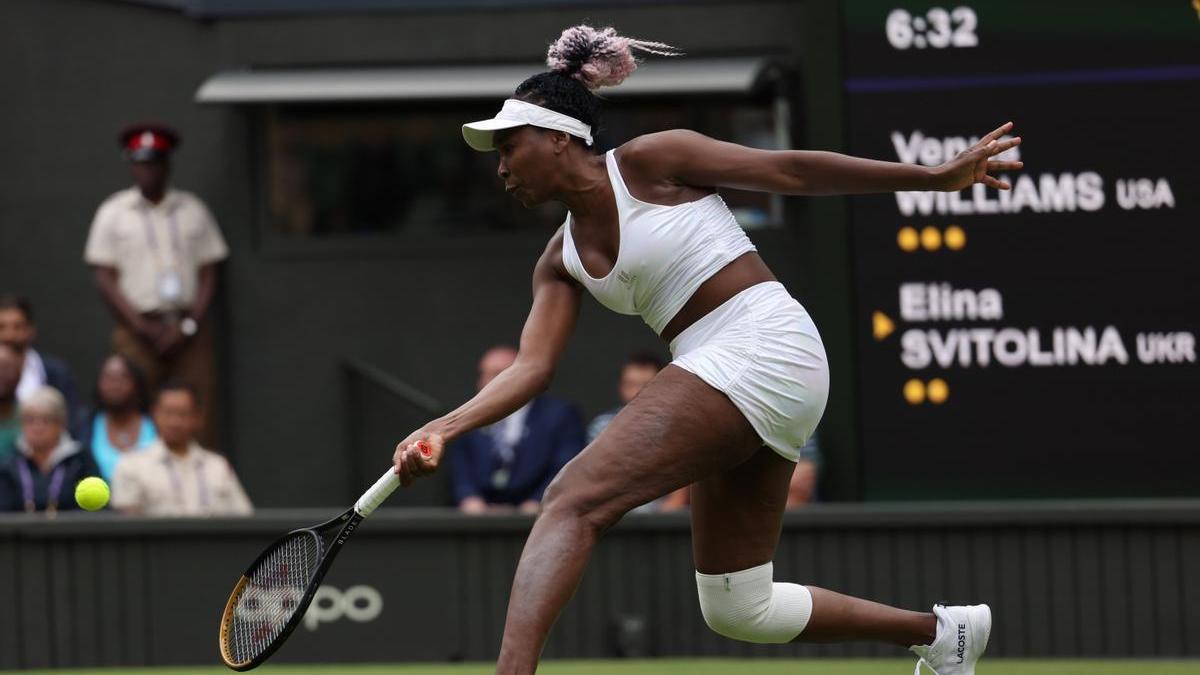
[[479, 135]]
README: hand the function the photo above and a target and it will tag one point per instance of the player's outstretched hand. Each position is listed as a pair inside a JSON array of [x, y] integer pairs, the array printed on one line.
[[975, 164], [418, 455]]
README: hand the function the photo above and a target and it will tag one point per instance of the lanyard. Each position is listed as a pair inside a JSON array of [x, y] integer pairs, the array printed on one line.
[[506, 434], [177, 482], [172, 225], [52, 491]]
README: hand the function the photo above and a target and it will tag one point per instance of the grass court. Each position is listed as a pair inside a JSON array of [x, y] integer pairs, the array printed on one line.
[[697, 667]]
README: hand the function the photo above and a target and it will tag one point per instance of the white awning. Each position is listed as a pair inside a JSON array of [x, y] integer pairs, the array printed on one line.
[[682, 76]]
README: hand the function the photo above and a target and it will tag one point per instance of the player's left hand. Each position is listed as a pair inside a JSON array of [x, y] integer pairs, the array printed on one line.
[[975, 164], [418, 455]]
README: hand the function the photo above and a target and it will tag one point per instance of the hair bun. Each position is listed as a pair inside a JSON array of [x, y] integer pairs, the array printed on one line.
[[599, 57]]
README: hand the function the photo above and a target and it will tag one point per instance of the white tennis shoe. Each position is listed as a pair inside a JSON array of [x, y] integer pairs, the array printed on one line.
[[962, 636]]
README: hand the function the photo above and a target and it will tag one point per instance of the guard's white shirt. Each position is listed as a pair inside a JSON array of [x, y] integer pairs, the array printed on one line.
[[157, 249]]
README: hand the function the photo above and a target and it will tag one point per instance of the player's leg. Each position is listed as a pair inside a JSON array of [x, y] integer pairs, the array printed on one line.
[[736, 519], [676, 431]]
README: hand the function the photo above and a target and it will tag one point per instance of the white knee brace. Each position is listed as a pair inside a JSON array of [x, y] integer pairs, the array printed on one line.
[[747, 606]]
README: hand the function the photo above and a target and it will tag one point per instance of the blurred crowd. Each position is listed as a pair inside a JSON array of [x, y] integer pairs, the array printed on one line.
[[149, 424], [146, 446], [154, 252]]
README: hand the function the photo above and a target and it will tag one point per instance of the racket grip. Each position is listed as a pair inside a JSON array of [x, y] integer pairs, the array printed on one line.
[[380, 491]]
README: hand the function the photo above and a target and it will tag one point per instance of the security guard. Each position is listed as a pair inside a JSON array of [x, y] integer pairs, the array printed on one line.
[[154, 251]]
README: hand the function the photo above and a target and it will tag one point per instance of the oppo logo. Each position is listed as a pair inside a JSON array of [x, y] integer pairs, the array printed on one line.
[[358, 603]]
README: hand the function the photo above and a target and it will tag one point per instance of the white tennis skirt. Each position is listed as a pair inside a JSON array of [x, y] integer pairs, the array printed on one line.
[[762, 350]]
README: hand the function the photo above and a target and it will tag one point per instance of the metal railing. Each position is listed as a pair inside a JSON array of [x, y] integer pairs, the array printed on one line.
[[374, 423]]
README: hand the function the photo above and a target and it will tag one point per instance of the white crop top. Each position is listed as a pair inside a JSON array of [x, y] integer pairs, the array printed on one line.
[[664, 254]]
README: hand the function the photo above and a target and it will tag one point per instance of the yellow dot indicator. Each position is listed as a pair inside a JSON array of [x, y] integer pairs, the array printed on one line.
[[882, 325], [907, 239], [914, 392], [938, 391], [931, 238], [955, 238]]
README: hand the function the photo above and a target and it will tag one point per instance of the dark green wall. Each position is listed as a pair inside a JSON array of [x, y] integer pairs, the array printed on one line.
[[75, 71], [1064, 580]]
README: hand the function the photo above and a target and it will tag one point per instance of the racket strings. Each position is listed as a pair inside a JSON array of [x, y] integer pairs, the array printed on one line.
[[272, 596]]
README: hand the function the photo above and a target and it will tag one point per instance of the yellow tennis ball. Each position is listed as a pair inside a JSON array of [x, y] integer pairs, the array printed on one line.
[[91, 493]]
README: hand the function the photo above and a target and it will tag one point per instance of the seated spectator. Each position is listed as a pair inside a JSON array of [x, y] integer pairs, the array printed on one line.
[[37, 369], [636, 372], [509, 464], [803, 487], [119, 424], [42, 474], [174, 476], [10, 375]]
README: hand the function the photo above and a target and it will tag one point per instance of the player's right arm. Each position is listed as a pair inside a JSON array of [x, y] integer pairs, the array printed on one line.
[[548, 328]]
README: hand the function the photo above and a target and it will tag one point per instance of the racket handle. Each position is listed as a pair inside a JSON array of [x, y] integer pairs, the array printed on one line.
[[380, 491]]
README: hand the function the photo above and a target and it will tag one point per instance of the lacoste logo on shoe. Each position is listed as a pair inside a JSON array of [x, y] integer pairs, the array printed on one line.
[[626, 278], [962, 641]]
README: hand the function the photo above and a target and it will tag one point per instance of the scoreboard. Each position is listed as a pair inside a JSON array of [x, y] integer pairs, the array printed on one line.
[[1038, 342]]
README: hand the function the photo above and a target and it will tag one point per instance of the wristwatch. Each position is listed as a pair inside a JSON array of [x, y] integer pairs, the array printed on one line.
[[188, 326]]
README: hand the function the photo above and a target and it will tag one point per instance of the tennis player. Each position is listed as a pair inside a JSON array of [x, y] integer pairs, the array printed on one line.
[[648, 234]]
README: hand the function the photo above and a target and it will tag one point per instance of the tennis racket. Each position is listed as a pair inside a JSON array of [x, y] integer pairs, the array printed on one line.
[[270, 599]]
